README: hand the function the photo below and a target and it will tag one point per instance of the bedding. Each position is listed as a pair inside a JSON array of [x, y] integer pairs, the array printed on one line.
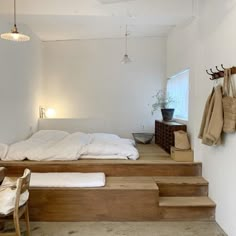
[[105, 149], [105, 145], [34, 147], [69, 148], [54, 145]]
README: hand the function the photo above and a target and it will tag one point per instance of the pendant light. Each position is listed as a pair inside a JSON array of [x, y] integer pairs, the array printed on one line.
[[126, 58], [14, 35]]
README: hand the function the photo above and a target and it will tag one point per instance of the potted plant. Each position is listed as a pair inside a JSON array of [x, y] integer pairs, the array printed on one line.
[[163, 101]]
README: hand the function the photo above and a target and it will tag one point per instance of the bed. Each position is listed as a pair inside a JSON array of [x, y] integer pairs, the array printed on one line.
[[56, 145]]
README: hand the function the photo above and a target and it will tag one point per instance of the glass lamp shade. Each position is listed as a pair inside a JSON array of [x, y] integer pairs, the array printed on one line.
[[14, 35], [126, 59], [50, 113]]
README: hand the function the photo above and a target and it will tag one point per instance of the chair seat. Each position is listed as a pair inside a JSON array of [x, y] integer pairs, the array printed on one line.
[[9, 215], [8, 198], [14, 202]]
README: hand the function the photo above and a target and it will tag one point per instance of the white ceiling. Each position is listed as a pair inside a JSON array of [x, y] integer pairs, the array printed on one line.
[[91, 19]]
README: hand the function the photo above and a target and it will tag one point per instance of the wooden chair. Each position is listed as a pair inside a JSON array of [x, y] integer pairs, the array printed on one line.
[[2, 173], [22, 185]]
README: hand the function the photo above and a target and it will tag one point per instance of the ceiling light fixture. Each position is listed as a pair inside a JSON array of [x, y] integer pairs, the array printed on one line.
[[14, 35], [126, 58]]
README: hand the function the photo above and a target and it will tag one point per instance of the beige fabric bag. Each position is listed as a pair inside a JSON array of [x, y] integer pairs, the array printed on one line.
[[181, 140], [229, 103]]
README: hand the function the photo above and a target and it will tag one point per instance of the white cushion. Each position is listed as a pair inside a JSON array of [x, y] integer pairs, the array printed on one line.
[[8, 196], [70, 179]]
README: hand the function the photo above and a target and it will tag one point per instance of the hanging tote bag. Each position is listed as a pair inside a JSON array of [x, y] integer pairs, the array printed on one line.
[[181, 140], [229, 103]]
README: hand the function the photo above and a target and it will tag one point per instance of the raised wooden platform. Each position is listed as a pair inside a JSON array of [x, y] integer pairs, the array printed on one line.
[[151, 188], [153, 161]]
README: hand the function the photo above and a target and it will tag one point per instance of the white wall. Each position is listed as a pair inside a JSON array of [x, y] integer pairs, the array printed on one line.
[[206, 42], [180, 56], [85, 79], [20, 76]]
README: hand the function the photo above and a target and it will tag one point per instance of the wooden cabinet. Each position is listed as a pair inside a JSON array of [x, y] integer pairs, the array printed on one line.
[[164, 133]]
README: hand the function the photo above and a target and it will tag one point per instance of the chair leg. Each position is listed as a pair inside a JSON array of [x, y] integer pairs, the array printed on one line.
[[1, 226], [17, 225], [27, 220]]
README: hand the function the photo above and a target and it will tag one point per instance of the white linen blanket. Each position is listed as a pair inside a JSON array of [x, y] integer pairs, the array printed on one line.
[[82, 180], [49, 145], [111, 149], [110, 145], [34, 147]]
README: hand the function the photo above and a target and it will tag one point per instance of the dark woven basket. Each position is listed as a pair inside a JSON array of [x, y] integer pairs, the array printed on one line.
[[144, 138]]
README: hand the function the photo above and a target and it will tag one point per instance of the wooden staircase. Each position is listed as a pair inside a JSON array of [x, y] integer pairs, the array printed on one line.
[[152, 188], [181, 186], [184, 198]]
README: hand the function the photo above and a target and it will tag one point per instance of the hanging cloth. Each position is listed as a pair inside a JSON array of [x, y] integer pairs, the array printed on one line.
[[212, 120], [229, 103]]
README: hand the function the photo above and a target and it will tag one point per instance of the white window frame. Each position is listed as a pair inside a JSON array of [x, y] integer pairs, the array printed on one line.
[[173, 84]]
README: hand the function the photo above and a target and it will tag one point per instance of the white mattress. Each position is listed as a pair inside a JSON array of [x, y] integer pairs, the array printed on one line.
[[103, 157], [55, 145]]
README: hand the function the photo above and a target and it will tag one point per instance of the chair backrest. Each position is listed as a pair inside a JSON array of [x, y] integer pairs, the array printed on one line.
[[22, 186]]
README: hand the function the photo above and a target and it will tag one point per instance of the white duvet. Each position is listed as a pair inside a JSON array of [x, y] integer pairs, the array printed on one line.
[[52, 145]]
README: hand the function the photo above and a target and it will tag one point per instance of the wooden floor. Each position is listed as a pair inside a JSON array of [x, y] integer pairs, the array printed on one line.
[[154, 187]]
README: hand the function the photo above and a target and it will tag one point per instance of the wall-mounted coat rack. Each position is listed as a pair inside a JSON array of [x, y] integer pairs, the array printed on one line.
[[219, 73]]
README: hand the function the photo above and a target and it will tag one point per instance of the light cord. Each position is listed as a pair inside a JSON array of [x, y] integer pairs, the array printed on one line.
[[126, 41], [15, 13]]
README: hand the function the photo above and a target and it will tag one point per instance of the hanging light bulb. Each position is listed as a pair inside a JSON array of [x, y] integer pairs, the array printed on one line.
[[126, 58], [14, 35]]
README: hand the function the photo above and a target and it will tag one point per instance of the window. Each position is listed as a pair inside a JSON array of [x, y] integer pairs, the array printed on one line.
[[178, 89]]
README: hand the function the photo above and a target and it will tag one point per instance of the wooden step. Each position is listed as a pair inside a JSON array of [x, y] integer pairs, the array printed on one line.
[[186, 202], [187, 208], [122, 199], [182, 185], [109, 167]]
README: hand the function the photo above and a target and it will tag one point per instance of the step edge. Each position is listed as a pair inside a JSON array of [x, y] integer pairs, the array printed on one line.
[[211, 203], [198, 184]]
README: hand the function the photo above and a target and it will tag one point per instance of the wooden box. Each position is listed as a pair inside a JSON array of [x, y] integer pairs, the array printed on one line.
[[181, 155]]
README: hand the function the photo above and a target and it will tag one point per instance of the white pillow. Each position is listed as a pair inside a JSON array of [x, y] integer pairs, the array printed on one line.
[[103, 137], [47, 135]]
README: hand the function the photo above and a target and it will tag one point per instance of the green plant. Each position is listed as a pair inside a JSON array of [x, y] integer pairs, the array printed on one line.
[[162, 100]]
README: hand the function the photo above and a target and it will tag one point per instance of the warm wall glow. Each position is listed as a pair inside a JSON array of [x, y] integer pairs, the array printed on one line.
[[50, 113]]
